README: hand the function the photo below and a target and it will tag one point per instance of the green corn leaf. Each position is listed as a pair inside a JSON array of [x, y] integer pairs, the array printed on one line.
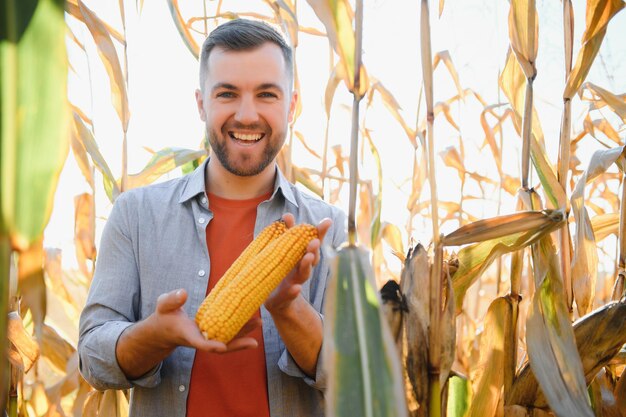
[[34, 121], [459, 394], [361, 360]]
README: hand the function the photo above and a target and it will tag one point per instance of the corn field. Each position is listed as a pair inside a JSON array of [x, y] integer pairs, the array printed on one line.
[[497, 252]]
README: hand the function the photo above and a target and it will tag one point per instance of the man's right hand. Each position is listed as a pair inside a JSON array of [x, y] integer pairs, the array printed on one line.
[[143, 345]]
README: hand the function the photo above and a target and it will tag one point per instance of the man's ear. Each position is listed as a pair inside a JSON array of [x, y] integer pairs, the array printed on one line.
[[292, 105], [200, 103]]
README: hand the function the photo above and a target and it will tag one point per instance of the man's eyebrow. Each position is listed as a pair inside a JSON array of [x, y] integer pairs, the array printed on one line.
[[224, 86], [269, 86]]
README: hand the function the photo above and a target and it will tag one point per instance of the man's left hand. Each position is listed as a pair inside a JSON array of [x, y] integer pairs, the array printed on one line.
[[290, 287]]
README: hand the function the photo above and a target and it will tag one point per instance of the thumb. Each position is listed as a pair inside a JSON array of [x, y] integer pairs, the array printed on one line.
[[171, 300]]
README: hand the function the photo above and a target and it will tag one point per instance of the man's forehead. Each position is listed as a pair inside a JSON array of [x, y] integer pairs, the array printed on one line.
[[263, 65]]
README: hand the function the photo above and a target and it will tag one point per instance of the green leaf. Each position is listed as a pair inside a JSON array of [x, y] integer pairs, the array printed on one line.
[[459, 395], [364, 374], [34, 114]]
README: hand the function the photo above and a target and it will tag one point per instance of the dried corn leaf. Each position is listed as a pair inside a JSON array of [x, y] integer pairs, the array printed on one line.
[[447, 60], [31, 285], [394, 108], [108, 55], [84, 230], [162, 162], [602, 97], [80, 155], [304, 143], [337, 18], [364, 373], [183, 29], [24, 343], [599, 337], [475, 259], [489, 378], [415, 285], [447, 336], [85, 137], [523, 34], [303, 176], [604, 225], [285, 12], [513, 83], [54, 272], [585, 258], [602, 398], [620, 393], [550, 338], [392, 235], [598, 15], [331, 87], [55, 349], [110, 403], [502, 226]]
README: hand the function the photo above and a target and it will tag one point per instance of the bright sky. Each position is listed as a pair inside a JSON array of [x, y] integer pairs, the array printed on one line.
[[163, 77]]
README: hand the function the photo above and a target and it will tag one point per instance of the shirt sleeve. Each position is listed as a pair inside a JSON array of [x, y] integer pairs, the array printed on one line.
[[286, 363], [112, 305]]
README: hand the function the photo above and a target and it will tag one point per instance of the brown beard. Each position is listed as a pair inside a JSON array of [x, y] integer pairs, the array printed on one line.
[[221, 152]]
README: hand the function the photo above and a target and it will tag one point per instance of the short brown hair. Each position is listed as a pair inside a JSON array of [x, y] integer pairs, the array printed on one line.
[[242, 35]]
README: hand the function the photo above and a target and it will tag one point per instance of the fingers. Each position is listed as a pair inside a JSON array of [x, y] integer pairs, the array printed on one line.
[[252, 324], [323, 227], [171, 301], [242, 343], [289, 220]]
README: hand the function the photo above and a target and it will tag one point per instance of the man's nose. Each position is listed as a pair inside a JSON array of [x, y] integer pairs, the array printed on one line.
[[247, 112]]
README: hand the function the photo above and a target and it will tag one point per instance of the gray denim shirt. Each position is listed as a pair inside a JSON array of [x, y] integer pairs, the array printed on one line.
[[154, 242]]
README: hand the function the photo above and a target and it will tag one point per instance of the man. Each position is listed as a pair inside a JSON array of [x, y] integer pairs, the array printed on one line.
[[165, 246]]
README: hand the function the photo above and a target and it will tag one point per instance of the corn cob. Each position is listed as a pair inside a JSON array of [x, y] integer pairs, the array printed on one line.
[[230, 305], [267, 235]]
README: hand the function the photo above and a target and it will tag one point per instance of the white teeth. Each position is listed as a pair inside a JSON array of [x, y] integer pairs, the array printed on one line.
[[248, 137]]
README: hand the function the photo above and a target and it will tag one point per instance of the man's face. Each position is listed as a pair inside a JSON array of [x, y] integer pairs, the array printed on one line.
[[246, 105]]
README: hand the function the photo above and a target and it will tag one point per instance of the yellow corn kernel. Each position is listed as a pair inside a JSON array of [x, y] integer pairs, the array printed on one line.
[[224, 312], [268, 234]]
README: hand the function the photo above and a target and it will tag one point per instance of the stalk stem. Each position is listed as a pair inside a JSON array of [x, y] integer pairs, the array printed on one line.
[[618, 289], [526, 133], [354, 143]]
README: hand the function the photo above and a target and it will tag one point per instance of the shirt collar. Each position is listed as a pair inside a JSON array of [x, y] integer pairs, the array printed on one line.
[[196, 185]]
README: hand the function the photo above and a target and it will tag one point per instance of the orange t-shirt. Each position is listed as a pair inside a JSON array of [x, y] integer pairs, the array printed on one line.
[[233, 384]]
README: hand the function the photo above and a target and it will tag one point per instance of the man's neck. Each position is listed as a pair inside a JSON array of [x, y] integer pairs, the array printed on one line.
[[225, 184]]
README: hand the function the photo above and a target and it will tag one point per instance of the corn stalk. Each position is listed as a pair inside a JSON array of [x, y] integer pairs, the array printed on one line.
[[618, 289], [434, 330], [564, 153]]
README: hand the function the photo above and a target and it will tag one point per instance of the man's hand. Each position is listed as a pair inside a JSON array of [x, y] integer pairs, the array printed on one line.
[[143, 345], [297, 322], [290, 287], [178, 329]]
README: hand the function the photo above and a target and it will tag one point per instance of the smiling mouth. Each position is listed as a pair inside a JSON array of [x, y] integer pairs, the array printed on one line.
[[246, 137]]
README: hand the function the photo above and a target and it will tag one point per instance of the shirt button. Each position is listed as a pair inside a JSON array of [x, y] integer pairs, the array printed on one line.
[[201, 272], [203, 200], [181, 388], [201, 220]]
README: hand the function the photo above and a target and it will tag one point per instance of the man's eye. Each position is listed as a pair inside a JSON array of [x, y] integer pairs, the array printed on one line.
[[225, 94], [267, 95]]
